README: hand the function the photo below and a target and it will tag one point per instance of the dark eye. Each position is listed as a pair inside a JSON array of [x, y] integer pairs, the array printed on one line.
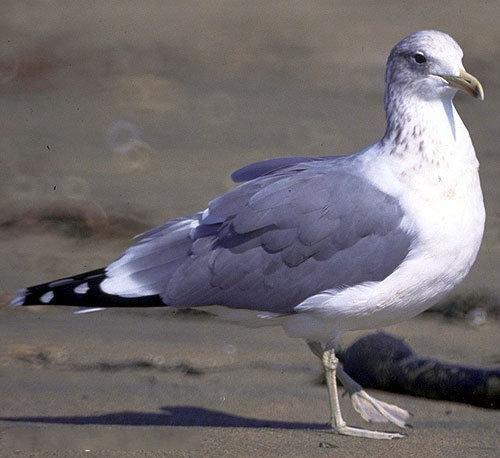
[[419, 58]]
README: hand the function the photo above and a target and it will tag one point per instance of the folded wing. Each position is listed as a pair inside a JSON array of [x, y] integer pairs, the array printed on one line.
[[270, 243]]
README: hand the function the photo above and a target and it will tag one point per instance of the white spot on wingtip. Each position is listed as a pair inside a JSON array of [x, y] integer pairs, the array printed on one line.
[[95, 309], [47, 297], [82, 289], [205, 213], [19, 299]]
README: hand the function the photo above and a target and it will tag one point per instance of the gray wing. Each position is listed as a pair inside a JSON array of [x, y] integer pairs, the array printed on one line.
[[271, 243], [258, 169]]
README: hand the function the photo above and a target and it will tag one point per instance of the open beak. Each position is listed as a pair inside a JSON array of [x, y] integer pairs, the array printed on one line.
[[466, 82]]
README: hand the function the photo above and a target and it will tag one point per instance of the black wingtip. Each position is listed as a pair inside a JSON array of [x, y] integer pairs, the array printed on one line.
[[81, 290]]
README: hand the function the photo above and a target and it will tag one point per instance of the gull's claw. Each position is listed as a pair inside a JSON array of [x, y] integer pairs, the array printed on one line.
[[368, 407], [366, 433], [376, 411]]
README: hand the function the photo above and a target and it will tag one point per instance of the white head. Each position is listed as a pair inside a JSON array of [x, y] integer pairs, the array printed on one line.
[[428, 64]]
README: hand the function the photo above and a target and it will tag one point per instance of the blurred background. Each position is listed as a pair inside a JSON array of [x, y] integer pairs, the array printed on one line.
[[116, 116]]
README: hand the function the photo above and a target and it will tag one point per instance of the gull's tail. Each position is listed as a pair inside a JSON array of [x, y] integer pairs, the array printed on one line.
[[82, 291]]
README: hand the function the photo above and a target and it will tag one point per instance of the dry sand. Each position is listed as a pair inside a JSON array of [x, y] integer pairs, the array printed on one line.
[[119, 115]]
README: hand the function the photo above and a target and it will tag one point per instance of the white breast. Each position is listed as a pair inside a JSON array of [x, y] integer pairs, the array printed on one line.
[[444, 207]]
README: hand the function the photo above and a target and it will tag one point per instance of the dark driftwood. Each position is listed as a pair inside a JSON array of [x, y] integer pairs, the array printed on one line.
[[386, 362]]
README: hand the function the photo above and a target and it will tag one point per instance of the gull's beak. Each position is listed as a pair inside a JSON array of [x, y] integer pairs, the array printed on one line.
[[466, 82]]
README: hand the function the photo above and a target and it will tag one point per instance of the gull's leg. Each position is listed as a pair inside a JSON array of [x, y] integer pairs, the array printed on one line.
[[370, 408], [339, 426], [330, 362], [316, 348]]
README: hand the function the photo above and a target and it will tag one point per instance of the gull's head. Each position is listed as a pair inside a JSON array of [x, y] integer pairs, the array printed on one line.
[[428, 64]]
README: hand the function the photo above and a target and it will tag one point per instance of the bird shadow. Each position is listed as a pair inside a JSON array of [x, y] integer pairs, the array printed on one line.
[[169, 416]]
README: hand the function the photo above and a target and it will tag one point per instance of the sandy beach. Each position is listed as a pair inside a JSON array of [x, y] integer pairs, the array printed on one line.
[[190, 386], [117, 116]]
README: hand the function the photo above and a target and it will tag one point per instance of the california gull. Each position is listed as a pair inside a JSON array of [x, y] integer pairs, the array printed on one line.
[[324, 245]]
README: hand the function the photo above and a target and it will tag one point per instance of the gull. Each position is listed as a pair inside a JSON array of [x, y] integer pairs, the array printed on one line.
[[324, 245]]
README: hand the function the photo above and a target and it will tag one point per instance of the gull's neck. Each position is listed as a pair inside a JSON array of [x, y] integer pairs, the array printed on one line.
[[428, 131]]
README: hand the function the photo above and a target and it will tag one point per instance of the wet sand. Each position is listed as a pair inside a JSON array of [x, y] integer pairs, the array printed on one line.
[[119, 116]]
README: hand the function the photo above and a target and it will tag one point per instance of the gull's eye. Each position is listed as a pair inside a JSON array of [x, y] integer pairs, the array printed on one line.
[[419, 58]]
